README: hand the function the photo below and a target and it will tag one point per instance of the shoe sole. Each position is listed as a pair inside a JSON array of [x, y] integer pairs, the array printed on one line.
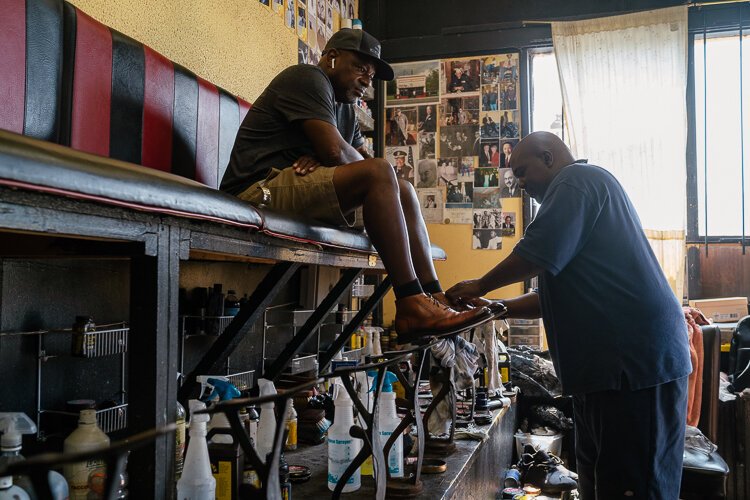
[[419, 334]]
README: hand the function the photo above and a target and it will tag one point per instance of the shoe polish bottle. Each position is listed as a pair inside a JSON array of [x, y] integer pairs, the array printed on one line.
[[87, 437], [342, 447]]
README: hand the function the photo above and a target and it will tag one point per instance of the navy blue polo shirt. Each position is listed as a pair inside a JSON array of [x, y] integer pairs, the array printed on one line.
[[608, 310]]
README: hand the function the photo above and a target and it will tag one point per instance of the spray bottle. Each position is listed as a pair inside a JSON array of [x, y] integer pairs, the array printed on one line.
[[267, 423], [13, 425], [197, 482], [342, 447], [387, 422], [224, 390], [364, 381]]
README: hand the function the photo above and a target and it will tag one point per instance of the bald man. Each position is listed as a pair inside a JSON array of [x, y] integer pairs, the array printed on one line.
[[615, 330]]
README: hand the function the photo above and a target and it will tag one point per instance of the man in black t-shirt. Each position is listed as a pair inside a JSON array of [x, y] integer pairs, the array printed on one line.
[[300, 150]]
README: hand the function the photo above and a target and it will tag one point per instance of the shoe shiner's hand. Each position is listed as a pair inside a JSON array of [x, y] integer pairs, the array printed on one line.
[[463, 291], [305, 164]]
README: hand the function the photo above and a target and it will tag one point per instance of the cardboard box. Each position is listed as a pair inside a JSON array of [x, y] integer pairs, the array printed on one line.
[[726, 310]]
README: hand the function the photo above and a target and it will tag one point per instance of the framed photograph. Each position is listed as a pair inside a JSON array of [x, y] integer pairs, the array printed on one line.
[[427, 118], [489, 127], [466, 169], [302, 52], [486, 239], [506, 149], [486, 177], [447, 171], [426, 145], [491, 69], [459, 111], [487, 218], [458, 140], [301, 21], [508, 226], [459, 195], [510, 124], [431, 204], [459, 75], [401, 126], [489, 97], [402, 158], [314, 56], [426, 174], [413, 82], [489, 153], [510, 187], [487, 198], [290, 17], [456, 215], [265, 2], [278, 7]]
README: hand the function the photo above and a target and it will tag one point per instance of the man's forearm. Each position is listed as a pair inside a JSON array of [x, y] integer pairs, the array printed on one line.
[[524, 306], [511, 270]]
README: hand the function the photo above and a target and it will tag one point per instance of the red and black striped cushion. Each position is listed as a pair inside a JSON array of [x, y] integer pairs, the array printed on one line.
[[31, 61], [130, 103]]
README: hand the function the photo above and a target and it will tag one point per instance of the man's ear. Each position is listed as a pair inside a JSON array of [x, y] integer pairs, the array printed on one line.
[[548, 158]]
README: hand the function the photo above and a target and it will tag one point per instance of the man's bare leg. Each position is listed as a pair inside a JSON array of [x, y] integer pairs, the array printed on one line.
[[419, 240], [372, 184]]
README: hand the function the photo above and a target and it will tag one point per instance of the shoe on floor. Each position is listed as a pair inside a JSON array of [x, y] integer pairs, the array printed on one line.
[[546, 471], [420, 316]]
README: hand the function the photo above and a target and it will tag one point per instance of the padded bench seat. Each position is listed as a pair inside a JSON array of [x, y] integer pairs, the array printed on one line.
[[41, 166]]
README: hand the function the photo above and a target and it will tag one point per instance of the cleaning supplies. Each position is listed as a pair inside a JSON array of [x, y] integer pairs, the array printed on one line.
[[387, 422], [225, 391], [267, 423], [179, 441], [12, 426], [291, 427], [364, 381], [252, 425], [87, 437], [196, 482], [10, 492], [342, 447]]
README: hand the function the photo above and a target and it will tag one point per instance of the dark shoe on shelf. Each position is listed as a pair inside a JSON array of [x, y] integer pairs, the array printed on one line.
[[419, 316], [546, 471]]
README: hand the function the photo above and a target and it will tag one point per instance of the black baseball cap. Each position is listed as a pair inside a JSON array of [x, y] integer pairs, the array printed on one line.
[[362, 42]]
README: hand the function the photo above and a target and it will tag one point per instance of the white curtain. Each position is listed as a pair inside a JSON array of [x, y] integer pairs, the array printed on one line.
[[623, 82]]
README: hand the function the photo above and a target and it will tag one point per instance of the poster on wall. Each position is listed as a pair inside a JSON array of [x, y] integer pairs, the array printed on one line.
[[451, 125], [278, 7], [289, 15], [431, 204], [301, 21], [413, 83], [302, 57]]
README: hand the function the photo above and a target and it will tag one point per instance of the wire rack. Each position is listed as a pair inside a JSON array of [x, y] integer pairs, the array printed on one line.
[[101, 342], [109, 419]]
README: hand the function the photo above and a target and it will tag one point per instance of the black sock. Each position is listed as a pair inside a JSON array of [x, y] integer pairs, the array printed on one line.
[[432, 287], [407, 289]]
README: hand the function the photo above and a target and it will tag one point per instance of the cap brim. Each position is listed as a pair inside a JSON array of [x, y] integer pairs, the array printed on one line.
[[383, 70]]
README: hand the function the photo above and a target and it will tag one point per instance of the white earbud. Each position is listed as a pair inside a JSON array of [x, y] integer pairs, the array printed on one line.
[[333, 62]]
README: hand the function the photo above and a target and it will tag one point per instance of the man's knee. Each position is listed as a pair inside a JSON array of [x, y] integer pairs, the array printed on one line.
[[406, 189], [380, 171]]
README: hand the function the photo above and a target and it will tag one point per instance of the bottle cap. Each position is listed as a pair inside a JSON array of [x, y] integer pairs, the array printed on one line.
[[87, 417], [195, 406], [12, 425], [390, 378]]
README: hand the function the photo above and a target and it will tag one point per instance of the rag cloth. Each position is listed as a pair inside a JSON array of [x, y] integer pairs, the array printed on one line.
[[694, 318]]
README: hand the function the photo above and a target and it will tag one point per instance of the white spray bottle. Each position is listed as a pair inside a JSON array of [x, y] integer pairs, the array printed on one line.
[[267, 423], [13, 425], [342, 447], [387, 421], [197, 482]]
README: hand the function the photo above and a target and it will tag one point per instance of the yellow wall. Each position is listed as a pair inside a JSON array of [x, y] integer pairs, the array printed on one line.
[[239, 45], [463, 262]]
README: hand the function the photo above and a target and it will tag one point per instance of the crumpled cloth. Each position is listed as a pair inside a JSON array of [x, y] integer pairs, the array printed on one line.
[[694, 318], [461, 354], [471, 431], [486, 339]]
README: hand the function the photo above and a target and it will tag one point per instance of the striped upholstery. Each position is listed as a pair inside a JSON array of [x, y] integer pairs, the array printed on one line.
[[130, 103], [31, 62]]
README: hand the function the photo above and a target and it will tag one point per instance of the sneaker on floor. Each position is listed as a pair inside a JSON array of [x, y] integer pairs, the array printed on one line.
[[546, 471], [420, 316]]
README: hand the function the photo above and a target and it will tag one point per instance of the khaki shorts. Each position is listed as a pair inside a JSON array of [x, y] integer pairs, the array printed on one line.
[[312, 195]]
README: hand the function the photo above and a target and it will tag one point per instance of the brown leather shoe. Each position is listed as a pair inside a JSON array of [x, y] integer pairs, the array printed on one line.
[[424, 316], [496, 307]]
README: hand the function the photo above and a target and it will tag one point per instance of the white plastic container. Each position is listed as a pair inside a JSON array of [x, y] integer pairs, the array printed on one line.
[[197, 482], [87, 437], [549, 444], [342, 448], [267, 422], [10, 492], [387, 422]]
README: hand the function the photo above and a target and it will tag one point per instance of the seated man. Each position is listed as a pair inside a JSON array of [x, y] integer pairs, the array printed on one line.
[[299, 150]]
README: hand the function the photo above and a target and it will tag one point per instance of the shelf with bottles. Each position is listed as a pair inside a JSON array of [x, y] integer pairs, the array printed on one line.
[[88, 340], [110, 419]]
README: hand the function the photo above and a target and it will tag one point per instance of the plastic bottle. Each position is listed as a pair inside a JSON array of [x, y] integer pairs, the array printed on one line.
[[179, 441], [13, 426], [291, 427], [387, 422], [87, 437], [377, 350], [342, 447], [267, 422], [10, 492], [252, 425], [231, 304], [284, 482], [363, 393], [196, 482], [225, 391]]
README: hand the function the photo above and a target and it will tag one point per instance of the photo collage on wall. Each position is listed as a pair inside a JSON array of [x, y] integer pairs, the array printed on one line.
[[313, 21], [450, 128]]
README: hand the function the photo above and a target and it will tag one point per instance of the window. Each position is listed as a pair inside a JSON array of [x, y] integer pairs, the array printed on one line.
[[546, 96], [721, 134]]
